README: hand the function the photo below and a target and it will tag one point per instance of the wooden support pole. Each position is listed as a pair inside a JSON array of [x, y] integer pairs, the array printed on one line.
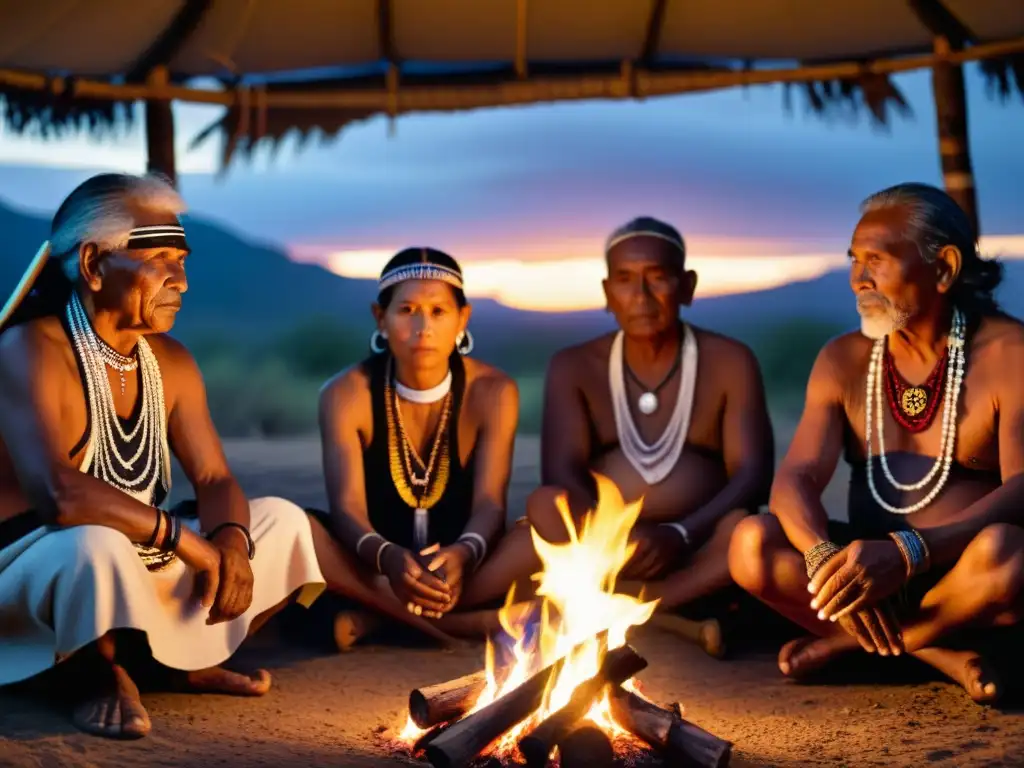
[[951, 116], [522, 20], [160, 130]]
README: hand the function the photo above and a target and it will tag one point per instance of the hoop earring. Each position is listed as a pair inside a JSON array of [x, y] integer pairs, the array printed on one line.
[[464, 342], [378, 342]]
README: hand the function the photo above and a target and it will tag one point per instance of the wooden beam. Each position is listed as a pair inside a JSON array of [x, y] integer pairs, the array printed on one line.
[[171, 40], [941, 22], [951, 118], [505, 92], [160, 156], [653, 36]]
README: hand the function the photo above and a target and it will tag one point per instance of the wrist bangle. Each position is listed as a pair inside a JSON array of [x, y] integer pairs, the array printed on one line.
[[156, 529], [913, 550], [380, 551], [171, 544], [364, 538], [250, 544], [818, 555], [474, 540], [681, 530]]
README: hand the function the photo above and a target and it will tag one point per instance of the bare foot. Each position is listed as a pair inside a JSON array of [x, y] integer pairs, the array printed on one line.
[[806, 655], [220, 680], [116, 712], [968, 668], [351, 626]]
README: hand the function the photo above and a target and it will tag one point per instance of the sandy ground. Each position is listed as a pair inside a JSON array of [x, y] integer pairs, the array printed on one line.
[[327, 709]]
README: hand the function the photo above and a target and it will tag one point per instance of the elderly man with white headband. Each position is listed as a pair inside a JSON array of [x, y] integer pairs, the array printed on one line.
[[94, 398], [695, 442]]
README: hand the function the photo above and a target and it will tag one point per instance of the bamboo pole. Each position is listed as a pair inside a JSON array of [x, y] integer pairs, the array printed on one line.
[[505, 92], [951, 117]]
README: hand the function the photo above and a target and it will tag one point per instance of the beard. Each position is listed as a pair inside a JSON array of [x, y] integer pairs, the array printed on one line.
[[879, 317]]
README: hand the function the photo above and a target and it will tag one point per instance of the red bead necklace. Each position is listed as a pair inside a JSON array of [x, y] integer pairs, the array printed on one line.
[[914, 406]]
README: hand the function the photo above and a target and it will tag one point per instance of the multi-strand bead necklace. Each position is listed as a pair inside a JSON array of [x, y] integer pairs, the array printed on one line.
[[955, 360]]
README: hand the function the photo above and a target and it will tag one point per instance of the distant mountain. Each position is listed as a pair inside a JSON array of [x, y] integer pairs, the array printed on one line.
[[240, 287]]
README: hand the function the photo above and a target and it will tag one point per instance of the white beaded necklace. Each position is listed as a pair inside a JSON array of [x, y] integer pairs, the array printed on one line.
[[947, 442], [654, 462], [102, 457], [425, 396]]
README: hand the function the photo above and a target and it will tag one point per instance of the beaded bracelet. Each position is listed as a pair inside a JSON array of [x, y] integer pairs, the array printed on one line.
[[914, 551], [818, 555], [174, 536]]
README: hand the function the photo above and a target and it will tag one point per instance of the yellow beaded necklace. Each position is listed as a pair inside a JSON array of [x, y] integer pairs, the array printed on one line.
[[423, 489]]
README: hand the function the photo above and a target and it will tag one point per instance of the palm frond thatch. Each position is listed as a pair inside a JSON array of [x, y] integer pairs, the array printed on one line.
[[46, 115], [1004, 75], [848, 97]]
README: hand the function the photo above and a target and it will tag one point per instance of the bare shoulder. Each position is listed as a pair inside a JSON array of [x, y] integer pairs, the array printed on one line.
[[171, 353], [346, 391], [577, 362], [484, 380], [1001, 335], [724, 350], [38, 342]]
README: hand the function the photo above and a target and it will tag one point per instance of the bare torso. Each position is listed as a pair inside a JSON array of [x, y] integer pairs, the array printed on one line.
[[910, 456], [65, 381], [700, 472]]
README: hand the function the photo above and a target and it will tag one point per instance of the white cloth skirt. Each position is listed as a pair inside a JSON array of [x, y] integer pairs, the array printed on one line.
[[61, 589]]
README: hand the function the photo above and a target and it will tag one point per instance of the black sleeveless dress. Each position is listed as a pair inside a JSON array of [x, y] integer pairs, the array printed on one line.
[[389, 515]]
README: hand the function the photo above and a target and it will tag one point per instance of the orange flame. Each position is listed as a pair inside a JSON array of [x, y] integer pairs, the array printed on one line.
[[577, 588]]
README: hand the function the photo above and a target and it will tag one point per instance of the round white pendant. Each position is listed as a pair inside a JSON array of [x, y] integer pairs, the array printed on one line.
[[648, 403]]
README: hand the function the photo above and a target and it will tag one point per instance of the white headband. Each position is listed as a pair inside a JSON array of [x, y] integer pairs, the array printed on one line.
[[613, 241], [420, 271]]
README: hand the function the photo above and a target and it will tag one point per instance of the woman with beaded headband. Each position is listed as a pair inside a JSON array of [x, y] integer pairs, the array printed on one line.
[[417, 448], [94, 399]]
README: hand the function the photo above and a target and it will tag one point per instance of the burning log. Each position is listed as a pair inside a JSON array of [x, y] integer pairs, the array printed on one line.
[[422, 742], [586, 747], [682, 742], [618, 665], [464, 740], [439, 703]]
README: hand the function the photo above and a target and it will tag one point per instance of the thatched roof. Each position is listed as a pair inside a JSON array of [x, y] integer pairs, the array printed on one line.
[[319, 65]]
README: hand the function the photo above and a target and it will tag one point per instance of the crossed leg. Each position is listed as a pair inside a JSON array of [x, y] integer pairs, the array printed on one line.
[[983, 589]]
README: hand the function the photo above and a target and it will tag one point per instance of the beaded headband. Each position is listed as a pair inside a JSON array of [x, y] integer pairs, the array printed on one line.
[[158, 236], [613, 241], [421, 271]]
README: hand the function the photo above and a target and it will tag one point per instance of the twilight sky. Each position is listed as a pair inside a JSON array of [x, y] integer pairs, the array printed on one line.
[[524, 197]]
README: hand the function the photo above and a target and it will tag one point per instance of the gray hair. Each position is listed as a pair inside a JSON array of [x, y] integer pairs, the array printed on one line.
[[100, 211], [933, 221]]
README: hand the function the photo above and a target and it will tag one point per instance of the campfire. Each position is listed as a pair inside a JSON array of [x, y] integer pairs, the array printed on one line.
[[561, 686]]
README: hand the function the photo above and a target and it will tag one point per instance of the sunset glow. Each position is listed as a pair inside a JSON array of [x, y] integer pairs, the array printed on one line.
[[573, 281]]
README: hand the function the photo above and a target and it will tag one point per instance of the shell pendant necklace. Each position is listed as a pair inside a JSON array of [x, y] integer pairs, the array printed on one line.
[[648, 402]]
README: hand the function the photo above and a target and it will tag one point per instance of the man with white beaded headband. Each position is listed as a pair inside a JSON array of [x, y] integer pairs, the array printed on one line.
[[925, 403], [97, 580], [670, 413]]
